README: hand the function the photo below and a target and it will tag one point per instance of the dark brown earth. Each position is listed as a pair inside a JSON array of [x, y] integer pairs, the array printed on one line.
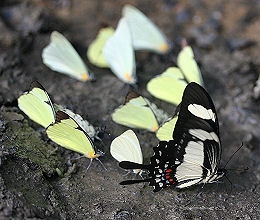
[[225, 36]]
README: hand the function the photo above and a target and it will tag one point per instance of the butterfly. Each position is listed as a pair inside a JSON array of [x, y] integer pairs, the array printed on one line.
[[126, 147], [139, 112], [169, 85], [119, 53], [145, 34], [60, 56], [67, 133], [193, 155], [37, 105], [95, 49]]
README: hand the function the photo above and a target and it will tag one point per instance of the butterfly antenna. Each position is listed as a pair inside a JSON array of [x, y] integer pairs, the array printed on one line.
[[233, 154], [240, 169], [101, 164]]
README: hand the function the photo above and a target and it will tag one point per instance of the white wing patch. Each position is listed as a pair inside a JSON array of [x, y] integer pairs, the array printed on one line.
[[204, 135], [194, 153], [191, 168], [187, 184], [201, 112]]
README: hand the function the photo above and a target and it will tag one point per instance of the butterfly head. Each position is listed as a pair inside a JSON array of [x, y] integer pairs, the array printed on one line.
[[129, 78], [95, 154], [164, 47], [221, 173], [218, 175], [137, 171]]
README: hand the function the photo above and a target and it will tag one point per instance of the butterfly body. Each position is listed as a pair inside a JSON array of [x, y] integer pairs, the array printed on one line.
[[193, 155]]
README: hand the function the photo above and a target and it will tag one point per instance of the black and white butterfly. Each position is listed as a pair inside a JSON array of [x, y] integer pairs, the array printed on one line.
[[193, 156]]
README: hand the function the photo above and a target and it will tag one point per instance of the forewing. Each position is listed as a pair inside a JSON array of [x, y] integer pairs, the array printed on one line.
[[66, 132], [188, 65], [119, 54], [146, 35], [126, 147], [37, 105], [164, 133], [60, 56], [136, 114], [84, 124], [168, 86], [95, 49]]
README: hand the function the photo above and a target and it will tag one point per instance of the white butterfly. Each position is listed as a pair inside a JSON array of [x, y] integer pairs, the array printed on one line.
[[60, 56], [126, 147], [146, 35], [119, 53]]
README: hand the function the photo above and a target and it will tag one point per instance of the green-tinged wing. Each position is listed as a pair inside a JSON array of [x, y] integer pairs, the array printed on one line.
[[95, 49], [164, 133], [60, 56], [36, 104], [146, 35], [168, 86], [160, 115], [119, 53], [67, 133], [136, 114], [188, 65], [84, 124]]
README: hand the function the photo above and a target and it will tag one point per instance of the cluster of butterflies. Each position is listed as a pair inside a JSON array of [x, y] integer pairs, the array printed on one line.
[[112, 49], [62, 126], [189, 150]]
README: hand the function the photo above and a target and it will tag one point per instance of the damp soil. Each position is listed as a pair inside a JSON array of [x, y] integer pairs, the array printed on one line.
[[37, 179]]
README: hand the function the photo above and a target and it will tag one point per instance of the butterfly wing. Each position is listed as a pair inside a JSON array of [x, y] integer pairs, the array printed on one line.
[[136, 114], [189, 66], [146, 35], [126, 147], [84, 124], [36, 104], [194, 153], [67, 133], [95, 49], [119, 54], [164, 133], [168, 86], [60, 56]]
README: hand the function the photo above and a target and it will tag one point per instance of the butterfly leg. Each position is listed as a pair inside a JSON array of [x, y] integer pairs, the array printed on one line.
[[129, 171], [101, 163], [89, 163]]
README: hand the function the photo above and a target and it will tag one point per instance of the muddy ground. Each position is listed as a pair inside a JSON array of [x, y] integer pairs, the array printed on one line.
[[225, 36]]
